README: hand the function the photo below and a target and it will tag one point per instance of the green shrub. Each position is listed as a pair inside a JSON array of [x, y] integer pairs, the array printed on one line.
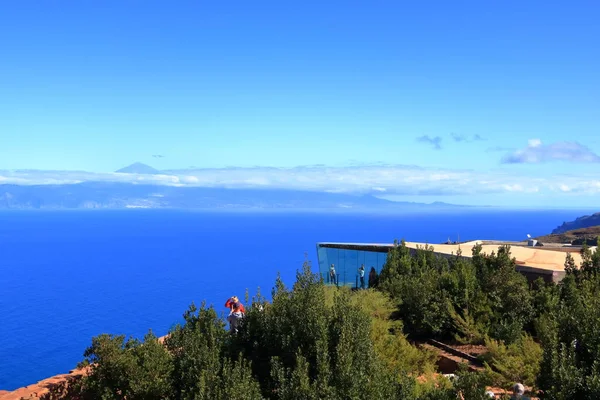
[[389, 341], [516, 362]]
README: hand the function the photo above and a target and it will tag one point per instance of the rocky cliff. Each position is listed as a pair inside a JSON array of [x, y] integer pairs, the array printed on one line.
[[36, 391], [582, 222]]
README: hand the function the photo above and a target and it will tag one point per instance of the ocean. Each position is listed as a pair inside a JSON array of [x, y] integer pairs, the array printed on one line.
[[66, 276]]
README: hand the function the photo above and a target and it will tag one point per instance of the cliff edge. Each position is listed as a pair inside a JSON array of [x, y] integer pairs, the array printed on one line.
[[37, 390]]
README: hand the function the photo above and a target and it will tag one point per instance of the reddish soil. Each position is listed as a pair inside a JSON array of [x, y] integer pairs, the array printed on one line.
[[39, 389]]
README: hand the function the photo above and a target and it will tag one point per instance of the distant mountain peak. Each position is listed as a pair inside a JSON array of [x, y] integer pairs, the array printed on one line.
[[139, 168]]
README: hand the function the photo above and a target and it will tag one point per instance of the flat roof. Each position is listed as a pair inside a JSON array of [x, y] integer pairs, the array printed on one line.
[[550, 259]]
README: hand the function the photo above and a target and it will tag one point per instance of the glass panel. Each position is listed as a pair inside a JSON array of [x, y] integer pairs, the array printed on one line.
[[361, 261], [381, 258], [361, 258], [341, 267], [332, 258], [371, 260], [323, 263], [351, 267]]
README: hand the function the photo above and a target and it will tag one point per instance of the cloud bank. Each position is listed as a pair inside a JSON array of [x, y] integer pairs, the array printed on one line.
[[373, 179], [536, 152]]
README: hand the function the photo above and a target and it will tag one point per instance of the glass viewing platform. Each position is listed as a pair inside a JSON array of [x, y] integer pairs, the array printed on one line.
[[347, 259]]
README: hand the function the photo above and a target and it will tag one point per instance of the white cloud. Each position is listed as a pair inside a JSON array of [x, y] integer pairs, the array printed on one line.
[[513, 188], [189, 180], [69, 177], [521, 188], [564, 188], [580, 185], [537, 152], [374, 179]]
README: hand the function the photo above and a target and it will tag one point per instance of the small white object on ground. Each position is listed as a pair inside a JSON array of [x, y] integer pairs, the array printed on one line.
[[518, 389]]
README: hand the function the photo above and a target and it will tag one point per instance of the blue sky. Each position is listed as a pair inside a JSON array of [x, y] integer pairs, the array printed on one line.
[[501, 95]]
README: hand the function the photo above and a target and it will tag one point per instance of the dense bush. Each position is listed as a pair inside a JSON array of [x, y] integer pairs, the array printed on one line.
[[458, 298], [484, 300]]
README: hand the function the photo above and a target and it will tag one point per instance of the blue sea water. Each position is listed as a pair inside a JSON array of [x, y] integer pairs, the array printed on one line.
[[68, 276]]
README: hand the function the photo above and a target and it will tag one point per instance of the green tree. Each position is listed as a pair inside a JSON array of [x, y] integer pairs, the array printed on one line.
[[315, 342], [454, 297], [127, 368], [571, 338]]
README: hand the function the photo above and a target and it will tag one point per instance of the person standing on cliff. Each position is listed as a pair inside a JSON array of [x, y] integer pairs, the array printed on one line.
[[236, 313], [372, 277], [332, 274], [361, 272]]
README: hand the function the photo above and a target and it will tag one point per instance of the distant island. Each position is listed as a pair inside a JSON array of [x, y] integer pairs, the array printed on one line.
[[109, 195], [138, 191]]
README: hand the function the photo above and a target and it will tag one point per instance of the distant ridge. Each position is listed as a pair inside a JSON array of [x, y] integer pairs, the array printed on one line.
[[138, 168], [582, 222]]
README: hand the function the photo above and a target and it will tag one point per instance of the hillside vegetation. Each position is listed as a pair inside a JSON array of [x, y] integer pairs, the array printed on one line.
[[317, 342], [575, 237]]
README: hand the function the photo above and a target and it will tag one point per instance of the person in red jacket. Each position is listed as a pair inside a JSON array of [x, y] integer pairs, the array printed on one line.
[[236, 313]]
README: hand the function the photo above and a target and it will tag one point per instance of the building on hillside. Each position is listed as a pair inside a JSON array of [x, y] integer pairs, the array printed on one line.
[[532, 261]]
